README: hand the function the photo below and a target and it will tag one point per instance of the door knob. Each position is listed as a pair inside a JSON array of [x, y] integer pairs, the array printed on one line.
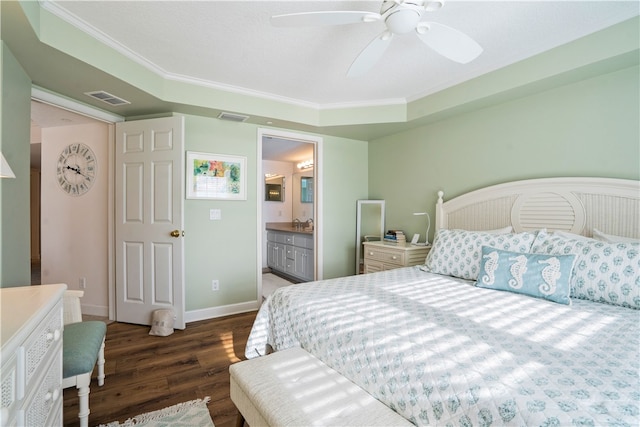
[[175, 233]]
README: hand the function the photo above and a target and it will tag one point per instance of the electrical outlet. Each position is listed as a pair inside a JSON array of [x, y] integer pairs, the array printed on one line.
[[82, 283], [215, 285]]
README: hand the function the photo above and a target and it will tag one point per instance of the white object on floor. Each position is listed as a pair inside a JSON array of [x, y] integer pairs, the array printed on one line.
[[162, 322]]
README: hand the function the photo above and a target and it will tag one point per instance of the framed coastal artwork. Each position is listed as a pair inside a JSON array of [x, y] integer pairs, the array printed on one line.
[[216, 176]]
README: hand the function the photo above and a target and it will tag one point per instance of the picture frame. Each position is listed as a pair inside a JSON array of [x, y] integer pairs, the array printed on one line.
[[216, 176]]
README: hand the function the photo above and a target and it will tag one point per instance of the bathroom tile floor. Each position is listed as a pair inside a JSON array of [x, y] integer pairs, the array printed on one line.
[[271, 282]]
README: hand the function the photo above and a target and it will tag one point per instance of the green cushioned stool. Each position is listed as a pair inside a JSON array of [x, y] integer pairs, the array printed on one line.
[[82, 348]]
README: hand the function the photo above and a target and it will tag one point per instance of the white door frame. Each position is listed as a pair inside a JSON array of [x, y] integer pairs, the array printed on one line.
[[46, 97], [317, 142]]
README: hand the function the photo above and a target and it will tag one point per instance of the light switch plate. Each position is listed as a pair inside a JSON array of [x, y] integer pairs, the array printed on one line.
[[215, 214]]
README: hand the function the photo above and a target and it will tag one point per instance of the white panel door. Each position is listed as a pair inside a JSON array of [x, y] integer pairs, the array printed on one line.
[[149, 219]]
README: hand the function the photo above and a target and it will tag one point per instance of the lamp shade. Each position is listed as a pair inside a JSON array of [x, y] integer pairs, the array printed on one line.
[[5, 169]]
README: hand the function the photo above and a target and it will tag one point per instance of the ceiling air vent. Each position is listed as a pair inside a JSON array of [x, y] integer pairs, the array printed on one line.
[[103, 96], [232, 117]]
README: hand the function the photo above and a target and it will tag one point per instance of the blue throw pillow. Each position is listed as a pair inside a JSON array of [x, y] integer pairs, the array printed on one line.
[[538, 275]]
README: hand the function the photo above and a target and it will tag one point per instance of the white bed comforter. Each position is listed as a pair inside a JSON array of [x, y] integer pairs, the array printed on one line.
[[443, 352]]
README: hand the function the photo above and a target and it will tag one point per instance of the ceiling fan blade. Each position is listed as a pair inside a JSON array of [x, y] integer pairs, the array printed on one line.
[[449, 42], [311, 19], [370, 55]]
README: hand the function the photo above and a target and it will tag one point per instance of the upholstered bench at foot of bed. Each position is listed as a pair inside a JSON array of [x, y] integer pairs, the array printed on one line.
[[294, 388], [82, 348]]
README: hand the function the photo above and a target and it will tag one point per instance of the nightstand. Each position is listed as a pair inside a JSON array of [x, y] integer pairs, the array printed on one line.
[[379, 256]]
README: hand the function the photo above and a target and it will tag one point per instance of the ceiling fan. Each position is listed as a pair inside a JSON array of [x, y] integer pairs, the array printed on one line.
[[400, 17]]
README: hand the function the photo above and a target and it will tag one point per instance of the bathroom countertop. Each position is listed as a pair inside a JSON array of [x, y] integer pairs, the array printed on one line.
[[288, 227]]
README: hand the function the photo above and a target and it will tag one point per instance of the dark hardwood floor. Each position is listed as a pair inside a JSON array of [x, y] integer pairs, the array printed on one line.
[[145, 373]]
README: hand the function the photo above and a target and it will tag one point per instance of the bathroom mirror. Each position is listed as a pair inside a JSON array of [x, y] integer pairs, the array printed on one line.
[[274, 188], [369, 226], [306, 189]]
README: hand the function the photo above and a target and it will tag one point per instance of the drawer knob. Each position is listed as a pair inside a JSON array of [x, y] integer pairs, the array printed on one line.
[[370, 253], [53, 336], [394, 257], [52, 395]]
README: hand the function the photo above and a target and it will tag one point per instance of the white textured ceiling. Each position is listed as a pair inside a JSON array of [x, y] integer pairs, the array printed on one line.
[[231, 44]]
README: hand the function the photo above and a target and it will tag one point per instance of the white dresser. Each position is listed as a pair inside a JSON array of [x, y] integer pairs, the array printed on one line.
[[31, 364]]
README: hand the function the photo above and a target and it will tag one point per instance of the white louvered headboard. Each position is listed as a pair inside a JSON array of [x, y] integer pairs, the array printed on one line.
[[576, 205]]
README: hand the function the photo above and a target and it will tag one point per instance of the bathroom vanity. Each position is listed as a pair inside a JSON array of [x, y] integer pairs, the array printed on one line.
[[290, 250]]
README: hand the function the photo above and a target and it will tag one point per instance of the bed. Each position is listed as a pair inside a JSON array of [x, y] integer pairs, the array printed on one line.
[[526, 312]]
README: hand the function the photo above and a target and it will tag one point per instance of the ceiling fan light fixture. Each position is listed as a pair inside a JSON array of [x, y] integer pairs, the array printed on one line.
[[423, 28], [371, 18], [402, 21], [432, 6]]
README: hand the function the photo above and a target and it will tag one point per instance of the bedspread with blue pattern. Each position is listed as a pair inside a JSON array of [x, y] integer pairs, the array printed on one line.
[[440, 351]]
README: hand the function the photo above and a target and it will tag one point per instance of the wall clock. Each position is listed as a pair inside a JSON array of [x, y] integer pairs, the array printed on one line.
[[76, 169]]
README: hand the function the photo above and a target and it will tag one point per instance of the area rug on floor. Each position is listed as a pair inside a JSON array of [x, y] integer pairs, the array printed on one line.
[[187, 414]]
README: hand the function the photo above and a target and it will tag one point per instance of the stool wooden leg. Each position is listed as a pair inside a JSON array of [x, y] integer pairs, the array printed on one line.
[[83, 403], [101, 365]]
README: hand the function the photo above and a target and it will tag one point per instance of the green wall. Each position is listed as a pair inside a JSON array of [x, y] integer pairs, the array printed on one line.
[[345, 169], [227, 249], [587, 128], [15, 255]]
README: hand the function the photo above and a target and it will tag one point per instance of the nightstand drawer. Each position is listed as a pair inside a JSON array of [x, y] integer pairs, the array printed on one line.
[[380, 256], [388, 255]]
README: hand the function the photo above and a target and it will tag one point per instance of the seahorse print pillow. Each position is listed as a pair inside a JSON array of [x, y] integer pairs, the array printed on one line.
[[536, 275]]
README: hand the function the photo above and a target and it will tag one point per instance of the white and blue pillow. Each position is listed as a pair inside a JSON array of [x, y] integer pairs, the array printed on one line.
[[458, 253], [536, 275], [611, 238], [603, 272]]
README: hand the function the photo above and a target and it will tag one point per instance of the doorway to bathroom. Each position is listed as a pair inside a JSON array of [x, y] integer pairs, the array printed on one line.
[[289, 201]]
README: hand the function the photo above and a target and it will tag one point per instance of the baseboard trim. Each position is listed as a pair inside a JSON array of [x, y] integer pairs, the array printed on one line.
[[94, 310], [225, 310], [189, 316]]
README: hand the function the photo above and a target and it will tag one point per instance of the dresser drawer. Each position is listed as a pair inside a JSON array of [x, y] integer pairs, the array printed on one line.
[[42, 342], [31, 371], [40, 405], [387, 255], [9, 386], [55, 417]]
